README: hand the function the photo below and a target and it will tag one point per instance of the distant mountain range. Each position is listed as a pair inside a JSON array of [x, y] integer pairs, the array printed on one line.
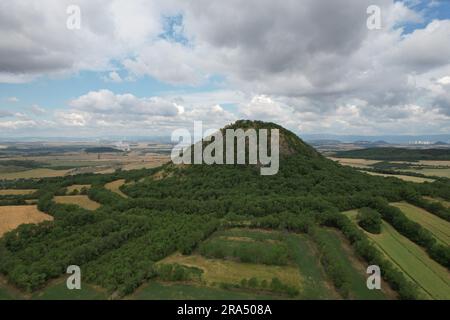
[[384, 139], [317, 139]]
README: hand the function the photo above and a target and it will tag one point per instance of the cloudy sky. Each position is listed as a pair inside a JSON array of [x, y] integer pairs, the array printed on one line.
[[148, 67]]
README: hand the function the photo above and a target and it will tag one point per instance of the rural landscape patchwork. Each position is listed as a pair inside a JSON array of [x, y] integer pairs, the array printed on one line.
[[136, 140]]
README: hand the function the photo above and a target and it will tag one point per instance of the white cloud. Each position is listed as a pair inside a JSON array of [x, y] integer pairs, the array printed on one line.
[[18, 124], [106, 102], [310, 65], [37, 110], [113, 76], [12, 99]]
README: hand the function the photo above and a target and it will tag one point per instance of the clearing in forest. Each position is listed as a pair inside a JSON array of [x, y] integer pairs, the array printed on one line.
[[81, 200], [13, 216], [216, 271], [77, 187], [16, 192], [114, 186]]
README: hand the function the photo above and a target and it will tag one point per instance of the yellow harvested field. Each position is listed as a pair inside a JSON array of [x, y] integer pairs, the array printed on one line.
[[444, 172], [13, 216], [82, 201], [114, 186], [77, 187], [357, 163], [153, 163], [402, 177], [16, 192], [225, 271], [443, 163], [34, 173]]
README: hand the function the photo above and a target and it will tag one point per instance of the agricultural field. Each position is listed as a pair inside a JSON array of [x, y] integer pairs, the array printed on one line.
[[439, 163], [57, 290], [443, 172], [56, 160], [432, 279], [402, 177], [81, 200], [33, 174], [356, 163], [354, 267], [13, 216], [114, 186], [77, 188], [16, 192], [441, 201], [437, 226], [177, 291], [428, 168]]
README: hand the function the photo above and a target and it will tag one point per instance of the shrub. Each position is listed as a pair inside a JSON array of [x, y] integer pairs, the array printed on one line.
[[369, 220]]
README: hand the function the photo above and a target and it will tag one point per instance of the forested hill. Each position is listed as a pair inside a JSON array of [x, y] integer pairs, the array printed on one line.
[[396, 154], [290, 143], [176, 207], [303, 172]]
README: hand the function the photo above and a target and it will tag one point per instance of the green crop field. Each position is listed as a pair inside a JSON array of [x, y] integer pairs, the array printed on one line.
[[436, 172], [305, 255], [58, 291], [432, 279], [176, 291], [355, 270], [441, 201], [437, 226]]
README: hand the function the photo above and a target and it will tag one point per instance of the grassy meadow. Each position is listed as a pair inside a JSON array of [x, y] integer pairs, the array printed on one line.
[[80, 200], [437, 226], [114, 186]]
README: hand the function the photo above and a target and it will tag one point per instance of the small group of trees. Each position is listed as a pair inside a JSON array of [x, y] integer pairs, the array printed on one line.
[[369, 220], [246, 251], [177, 272]]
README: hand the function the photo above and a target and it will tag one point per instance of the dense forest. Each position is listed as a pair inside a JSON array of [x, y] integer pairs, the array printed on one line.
[[175, 208]]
